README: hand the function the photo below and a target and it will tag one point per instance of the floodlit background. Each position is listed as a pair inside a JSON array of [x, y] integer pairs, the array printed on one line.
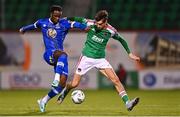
[[151, 28]]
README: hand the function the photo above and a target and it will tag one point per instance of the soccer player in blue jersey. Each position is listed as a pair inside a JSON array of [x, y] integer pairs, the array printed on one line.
[[54, 31]]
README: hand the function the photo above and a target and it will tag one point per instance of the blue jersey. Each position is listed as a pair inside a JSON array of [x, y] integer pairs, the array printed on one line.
[[53, 37], [54, 34]]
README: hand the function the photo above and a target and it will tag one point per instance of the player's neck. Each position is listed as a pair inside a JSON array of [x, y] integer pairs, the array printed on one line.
[[50, 20], [105, 27]]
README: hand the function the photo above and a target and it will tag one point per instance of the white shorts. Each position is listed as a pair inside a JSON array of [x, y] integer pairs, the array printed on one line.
[[86, 63]]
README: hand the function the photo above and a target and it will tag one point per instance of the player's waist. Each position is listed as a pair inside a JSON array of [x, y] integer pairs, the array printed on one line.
[[53, 50], [93, 54]]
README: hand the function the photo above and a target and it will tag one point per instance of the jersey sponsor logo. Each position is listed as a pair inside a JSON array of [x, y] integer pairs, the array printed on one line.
[[97, 39], [51, 33], [93, 29]]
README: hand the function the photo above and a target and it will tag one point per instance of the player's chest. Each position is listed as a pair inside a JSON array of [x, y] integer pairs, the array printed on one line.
[[58, 27], [53, 30], [99, 36]]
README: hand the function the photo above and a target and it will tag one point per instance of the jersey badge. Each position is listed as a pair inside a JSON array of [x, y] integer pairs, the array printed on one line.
[[51, 33]]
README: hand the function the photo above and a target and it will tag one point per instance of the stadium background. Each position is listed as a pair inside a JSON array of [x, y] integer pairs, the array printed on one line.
[[151, 28]]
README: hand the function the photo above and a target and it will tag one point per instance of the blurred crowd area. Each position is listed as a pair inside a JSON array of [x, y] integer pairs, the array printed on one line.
[[124, 14]]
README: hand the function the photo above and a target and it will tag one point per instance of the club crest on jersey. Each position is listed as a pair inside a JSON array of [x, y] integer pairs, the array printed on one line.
[[51, 32], [105, 33]]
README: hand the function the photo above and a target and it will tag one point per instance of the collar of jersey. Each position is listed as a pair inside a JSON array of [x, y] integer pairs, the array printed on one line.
[[50, 21]]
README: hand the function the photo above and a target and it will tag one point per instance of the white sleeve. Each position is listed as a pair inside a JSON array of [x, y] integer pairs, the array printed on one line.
[[72, 24], [90, 22]]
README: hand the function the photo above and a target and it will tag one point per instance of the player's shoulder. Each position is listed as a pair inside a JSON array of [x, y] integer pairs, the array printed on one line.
[[90, 22], [64, 20], [42, 21], [111, 29]]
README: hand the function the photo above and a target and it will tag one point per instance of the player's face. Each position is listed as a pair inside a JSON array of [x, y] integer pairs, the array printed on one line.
[[101, 24], [55, 16]]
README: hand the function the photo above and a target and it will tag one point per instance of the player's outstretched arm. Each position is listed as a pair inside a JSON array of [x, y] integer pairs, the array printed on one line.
[[36, 25], [26, 28], [125, 45], [83, 21], [77, 19], [122, 41], [78, 25], [21, 30]]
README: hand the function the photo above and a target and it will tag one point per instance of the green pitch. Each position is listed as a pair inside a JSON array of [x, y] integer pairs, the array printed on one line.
[[97, 103]]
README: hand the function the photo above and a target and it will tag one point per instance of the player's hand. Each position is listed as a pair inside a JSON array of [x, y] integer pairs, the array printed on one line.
[[21, 31], [134, 57]]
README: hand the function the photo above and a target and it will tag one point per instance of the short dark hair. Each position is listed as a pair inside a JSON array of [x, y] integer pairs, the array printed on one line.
[[102, 14], [56, 8]]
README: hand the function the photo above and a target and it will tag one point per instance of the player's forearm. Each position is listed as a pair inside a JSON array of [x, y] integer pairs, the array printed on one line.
[[79, 25], [28, 27], [123, 42], [77, 19], [125, 45]]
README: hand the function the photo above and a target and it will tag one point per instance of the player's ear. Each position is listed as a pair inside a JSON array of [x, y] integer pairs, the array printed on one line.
[[60, 13]]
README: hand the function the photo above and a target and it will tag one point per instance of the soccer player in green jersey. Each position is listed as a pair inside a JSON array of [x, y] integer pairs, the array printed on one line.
[[93, 55]]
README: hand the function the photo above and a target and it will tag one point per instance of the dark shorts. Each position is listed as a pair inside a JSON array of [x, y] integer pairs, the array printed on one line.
[[48, 57]]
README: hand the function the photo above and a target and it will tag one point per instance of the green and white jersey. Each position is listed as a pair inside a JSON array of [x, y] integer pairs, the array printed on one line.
[[97, 40]]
